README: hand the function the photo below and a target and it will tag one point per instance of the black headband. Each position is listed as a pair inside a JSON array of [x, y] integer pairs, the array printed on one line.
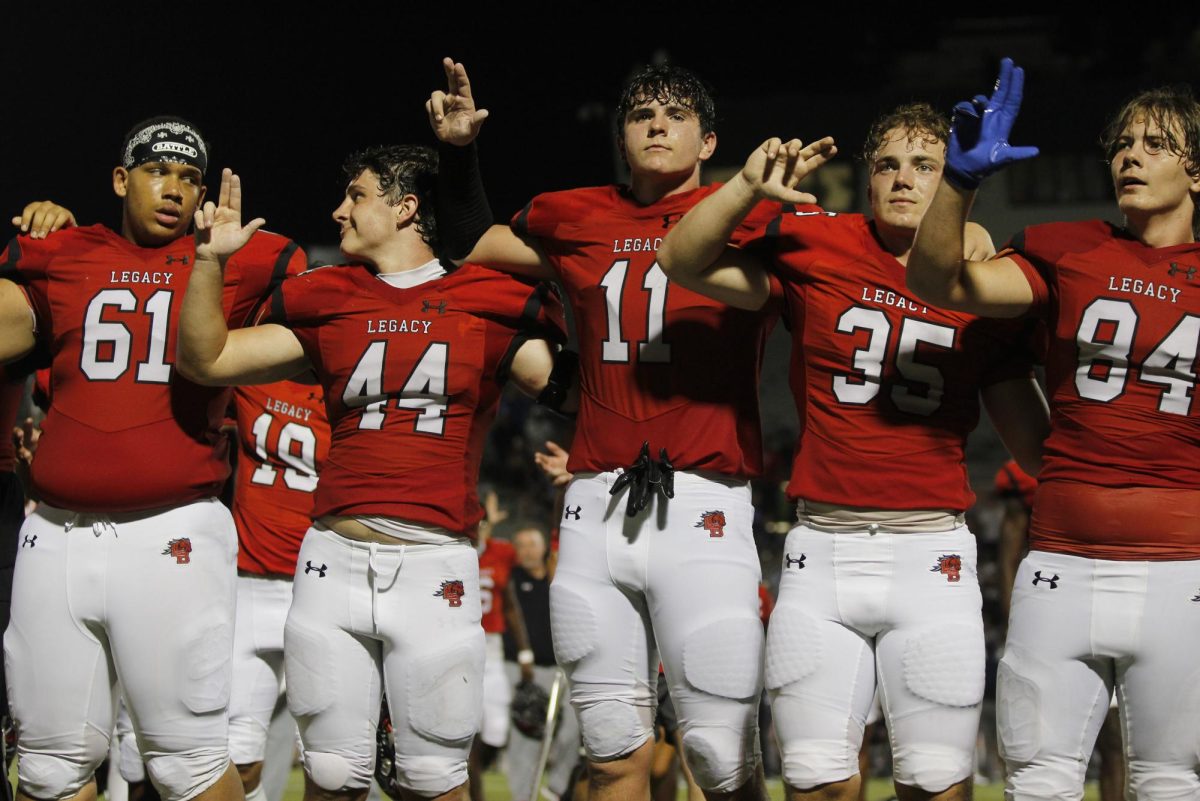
[[171, 141]]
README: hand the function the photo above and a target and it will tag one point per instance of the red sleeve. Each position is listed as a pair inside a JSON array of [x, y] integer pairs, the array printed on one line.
[[291, 303], [755, 224], [532, 310], [1039, 283], [542, 216], [256, 271], [24, 261]]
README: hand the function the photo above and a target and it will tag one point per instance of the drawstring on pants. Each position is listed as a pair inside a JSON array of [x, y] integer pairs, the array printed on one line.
[[101, 524], [373, 575]]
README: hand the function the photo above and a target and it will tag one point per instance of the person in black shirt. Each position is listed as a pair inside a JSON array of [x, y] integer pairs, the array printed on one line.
[[530, 579]]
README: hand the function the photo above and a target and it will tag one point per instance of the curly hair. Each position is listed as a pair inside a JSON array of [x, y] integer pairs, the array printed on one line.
[[916, 120], [402, 170], [667, 84]]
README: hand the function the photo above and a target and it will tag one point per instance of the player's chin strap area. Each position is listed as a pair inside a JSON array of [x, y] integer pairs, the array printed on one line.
[[645, 477]]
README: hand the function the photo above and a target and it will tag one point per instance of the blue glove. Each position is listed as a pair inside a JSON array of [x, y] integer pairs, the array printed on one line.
[[979, 131]]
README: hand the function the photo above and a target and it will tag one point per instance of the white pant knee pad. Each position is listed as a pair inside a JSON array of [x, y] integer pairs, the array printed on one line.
[[430, 775], [721, 759], [184, 775], [809, 763], [1162, 781], [49, 777], [337, 772], [931, 767], [612, 729], [1044, 778]]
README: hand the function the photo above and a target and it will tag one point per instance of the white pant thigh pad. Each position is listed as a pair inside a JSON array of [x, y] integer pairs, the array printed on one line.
[[262, 609]]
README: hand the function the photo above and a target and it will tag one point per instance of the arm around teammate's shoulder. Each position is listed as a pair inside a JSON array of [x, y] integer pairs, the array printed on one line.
[[939, 275]]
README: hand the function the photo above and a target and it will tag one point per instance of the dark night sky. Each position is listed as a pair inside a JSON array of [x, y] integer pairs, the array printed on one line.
[[285, 98]]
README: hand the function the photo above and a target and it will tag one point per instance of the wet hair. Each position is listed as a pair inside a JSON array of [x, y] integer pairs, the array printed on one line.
[[1176, 114], [917, 120], [667, 84], [402, 170], [1171, 109]]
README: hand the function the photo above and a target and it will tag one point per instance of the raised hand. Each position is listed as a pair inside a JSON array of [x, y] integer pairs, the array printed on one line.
[[979, 131], [554, 464], [452, 114], [219, 229], [775, 169], [43, 217]]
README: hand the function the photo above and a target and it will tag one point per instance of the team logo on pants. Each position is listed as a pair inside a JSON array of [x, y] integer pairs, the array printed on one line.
[[1197, 598], [181, 549], [452, 591], [950, 565], [713, 523], [1039, 578]]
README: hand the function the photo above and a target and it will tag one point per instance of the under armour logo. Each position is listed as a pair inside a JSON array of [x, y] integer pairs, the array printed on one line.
[[1195, 600], [320, 571], [428, 306], [573, 513], [1175, 269], [312, 396], [799, 563], [1052, 581], [671, 219], [30, 540], [179, 260]]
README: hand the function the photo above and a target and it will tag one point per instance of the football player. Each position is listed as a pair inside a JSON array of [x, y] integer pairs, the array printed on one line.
[[283, 438], [530, 583], [657, 556], [497, 558], [879, 580], [412, 360], [1107, 594], [126, 570]]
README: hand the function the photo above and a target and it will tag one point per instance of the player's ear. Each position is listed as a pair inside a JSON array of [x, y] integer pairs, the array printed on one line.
[[120, 181], [708, 145], [200, 197], [406, 210]]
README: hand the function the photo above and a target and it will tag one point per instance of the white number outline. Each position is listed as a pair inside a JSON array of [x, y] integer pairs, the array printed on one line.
[[96, 330], [425, 389], [652, 350]]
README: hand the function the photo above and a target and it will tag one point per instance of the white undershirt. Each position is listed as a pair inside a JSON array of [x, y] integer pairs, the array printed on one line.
[[407, 279]]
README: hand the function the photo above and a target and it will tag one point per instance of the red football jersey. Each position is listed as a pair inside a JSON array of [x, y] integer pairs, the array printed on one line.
[[412, 378], [283, 438], [495, 565], [124, 431], [1120, 477], [658, 363], [886, 388]]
